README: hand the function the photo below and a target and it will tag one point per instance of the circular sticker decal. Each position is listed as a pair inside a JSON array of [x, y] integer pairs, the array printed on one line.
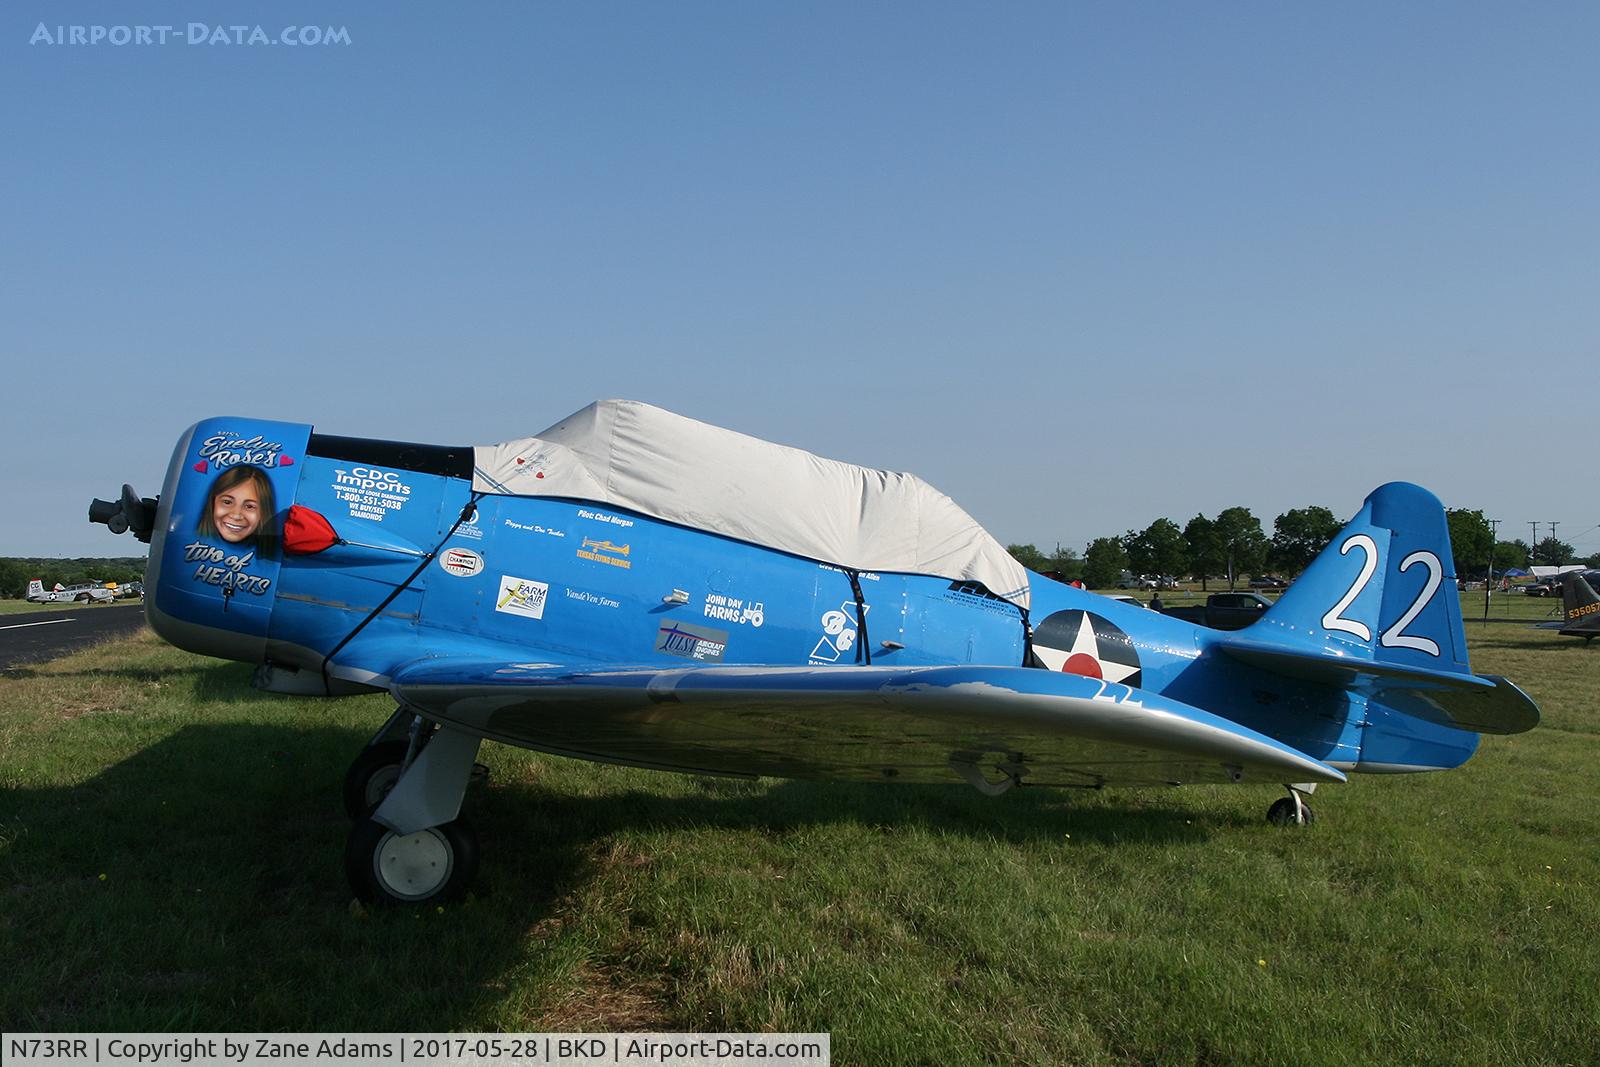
[[461, 562], [1081, 642]]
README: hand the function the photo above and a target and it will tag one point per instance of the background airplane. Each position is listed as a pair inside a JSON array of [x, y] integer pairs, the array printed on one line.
[[629, 586], [84, 593], [1580, 607]]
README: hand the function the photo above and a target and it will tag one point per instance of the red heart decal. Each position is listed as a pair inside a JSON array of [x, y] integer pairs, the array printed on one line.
[[539, 475], [285, 461], [201, 467], [519, 461]]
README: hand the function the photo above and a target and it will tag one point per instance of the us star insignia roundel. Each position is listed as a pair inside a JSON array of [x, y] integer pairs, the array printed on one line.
[[1081, 642]]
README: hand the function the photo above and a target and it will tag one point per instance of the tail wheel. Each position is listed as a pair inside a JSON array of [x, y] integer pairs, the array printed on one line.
[[371, 775], [427, 867]]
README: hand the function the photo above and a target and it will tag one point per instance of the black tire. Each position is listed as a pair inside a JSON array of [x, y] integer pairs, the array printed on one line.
[[1282, 812], [430, 867], [371, 775], [83, 598]]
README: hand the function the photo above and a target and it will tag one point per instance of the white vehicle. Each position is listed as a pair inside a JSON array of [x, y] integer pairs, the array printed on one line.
[[84, 593]]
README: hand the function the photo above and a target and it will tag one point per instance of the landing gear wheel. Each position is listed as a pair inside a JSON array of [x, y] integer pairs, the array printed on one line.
[[427, 867], [371, 775], [1282, 813]]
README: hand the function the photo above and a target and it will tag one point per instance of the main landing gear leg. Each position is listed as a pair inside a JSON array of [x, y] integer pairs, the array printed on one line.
[[415, 849], [1292, 810], [377, 767]]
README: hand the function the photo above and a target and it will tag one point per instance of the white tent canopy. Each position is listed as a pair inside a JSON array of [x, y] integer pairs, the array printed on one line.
[[1551, 572], [635, 456]]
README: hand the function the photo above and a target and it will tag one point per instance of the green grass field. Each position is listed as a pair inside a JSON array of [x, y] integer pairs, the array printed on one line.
[[22, 607], [170, 858]]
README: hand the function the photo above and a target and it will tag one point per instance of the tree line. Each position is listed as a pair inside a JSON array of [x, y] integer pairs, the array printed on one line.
[[17, 571], [1234, 544]]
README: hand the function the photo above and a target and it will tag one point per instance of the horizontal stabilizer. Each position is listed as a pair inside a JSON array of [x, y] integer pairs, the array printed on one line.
[[1485, 705], [928, 724]]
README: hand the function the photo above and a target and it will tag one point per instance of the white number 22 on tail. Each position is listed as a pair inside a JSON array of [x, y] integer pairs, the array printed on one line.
[[1395, 636]]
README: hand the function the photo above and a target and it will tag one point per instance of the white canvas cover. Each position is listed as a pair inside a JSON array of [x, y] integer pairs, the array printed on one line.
[[1551, 572], [646, 459]]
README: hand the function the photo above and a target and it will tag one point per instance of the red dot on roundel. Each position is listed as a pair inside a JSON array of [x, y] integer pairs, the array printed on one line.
[[1084, 664]]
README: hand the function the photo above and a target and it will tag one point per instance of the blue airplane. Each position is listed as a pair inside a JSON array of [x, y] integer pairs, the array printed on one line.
[[633, 587]]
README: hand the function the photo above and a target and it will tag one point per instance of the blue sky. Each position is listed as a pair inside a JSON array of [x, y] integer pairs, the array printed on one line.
[[1079, 265]]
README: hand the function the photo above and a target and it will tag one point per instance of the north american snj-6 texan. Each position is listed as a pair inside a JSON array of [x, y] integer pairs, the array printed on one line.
[[634, 587]]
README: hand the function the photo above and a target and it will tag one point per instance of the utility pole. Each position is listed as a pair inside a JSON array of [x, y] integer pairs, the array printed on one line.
[[1554, 562], [1533, 544], [1488, 582]]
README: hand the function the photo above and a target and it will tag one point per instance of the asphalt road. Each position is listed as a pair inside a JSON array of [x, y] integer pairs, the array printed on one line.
[[38, 636]]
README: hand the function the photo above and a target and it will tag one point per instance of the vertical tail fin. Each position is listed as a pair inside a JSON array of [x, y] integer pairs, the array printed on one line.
[[36, 590], [1384, 590], [1582, 607]]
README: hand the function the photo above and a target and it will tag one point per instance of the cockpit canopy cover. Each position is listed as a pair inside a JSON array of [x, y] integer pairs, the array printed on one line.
[[632, 455]]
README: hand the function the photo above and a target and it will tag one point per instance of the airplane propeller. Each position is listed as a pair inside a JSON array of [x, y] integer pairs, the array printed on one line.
[[130, 513]]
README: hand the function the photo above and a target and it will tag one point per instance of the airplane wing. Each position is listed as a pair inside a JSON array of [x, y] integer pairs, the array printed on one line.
[[987, 725], [1486, 704]]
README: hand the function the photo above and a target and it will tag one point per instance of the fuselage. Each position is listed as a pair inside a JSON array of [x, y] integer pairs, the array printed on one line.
[[419, 566], [571, 580]]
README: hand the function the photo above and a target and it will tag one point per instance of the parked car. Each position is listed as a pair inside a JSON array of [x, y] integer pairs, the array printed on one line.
[[1223, 611], [1268, 581]]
